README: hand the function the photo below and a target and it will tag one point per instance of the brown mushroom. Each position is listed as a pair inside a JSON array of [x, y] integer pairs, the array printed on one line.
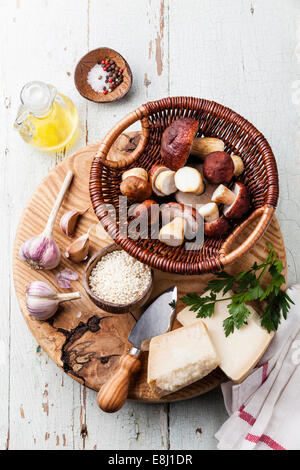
[[214, 225], [172, 210], [195, 200], [218, 167], [172, 234], [149, 208], [162, 180], [139, 172], [176, 142], [189, 180], [136, 189], [216, 228], [125, 144], [236, 202]]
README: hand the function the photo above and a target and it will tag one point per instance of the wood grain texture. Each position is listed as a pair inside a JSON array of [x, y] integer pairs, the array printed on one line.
[[85, 341], [238, 52]]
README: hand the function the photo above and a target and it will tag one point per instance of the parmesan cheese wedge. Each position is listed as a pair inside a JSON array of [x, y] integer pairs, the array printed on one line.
[[242, 349], [179, 358]]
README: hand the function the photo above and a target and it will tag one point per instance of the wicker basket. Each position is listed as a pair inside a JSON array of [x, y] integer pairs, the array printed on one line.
[[240, 137]]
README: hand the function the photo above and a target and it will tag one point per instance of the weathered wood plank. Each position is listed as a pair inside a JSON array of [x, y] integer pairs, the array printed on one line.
[[39, 46], [5, 240], [136, 426], [239, 54], [193, 423]]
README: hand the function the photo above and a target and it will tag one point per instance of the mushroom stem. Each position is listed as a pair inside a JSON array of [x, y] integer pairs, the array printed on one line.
[[209, 212], [238, 165], [165, 182], [172, 234], [223, 195], [189, 180], [203, 146]]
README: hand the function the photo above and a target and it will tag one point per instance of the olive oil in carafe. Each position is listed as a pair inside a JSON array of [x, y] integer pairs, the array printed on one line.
[[47, 120]]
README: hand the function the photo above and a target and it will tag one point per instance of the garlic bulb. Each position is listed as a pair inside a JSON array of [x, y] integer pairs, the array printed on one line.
[[41, 252], [42, 301], [79, 249], [69, 220]]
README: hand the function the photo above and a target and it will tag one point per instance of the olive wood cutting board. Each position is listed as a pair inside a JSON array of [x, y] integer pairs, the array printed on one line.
[[83, 340]]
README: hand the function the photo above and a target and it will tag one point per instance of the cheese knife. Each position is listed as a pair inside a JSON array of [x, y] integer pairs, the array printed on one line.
[[156, 320]]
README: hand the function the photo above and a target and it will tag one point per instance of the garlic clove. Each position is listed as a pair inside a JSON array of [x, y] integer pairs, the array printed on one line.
[[64, 278], [69, 221], [79, 249]]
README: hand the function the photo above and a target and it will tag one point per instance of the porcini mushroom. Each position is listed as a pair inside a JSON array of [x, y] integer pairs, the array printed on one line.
[[236, 202], [214, 225], [138, 172], [203, 146], [176, 142], [149, 208], [172, 234], [125, 144], [216, 228], [218, 167], [162, 180], [136, 189], [238, 165], [171, 210], [189, 180]]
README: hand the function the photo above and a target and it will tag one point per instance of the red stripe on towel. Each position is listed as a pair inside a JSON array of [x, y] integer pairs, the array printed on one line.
[[246, 416], [266, 440], [264, 372], [252, 438]]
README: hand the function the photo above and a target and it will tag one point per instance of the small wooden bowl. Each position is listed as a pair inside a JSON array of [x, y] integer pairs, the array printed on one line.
[[110, 306], [88, 61]]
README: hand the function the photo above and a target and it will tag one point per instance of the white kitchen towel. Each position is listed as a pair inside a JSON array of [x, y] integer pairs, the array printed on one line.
[[265, 408]]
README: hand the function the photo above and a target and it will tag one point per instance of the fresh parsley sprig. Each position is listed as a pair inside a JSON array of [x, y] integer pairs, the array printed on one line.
[[247, 287]]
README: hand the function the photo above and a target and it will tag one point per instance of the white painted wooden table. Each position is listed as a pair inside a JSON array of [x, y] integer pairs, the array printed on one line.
[[241, 53]]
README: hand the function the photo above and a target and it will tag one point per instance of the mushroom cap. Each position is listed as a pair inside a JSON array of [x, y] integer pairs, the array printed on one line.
[[241, 204], [136, 189], [218, 167], [177, 141], [153, 174], [171, 210], [217, 227], [196, 200], [146, 208]]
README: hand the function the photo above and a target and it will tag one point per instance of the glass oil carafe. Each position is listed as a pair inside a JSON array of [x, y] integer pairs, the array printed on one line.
[[47, 120]]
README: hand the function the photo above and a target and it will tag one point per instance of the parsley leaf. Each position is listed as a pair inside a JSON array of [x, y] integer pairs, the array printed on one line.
[[247, 287]]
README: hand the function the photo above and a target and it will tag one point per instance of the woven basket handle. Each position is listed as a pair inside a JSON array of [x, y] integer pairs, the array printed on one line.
[[139, 114], [265, 213]]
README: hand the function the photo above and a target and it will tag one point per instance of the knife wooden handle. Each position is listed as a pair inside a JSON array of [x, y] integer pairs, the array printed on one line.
[[113, 394]]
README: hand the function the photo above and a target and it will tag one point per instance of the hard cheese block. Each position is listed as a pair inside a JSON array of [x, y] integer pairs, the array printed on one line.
[[241, 350], [179, 358]]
